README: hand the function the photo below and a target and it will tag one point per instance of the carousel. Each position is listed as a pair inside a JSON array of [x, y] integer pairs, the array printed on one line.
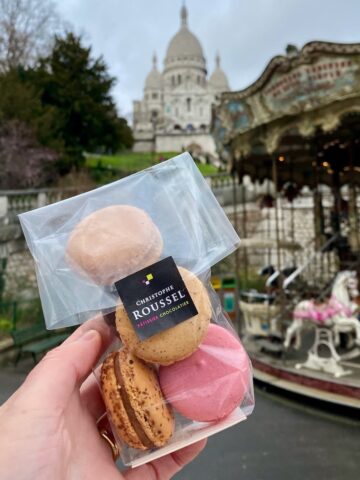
[[295, 133]]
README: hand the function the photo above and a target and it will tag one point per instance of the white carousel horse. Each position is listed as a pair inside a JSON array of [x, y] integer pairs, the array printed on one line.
[[337, 313]]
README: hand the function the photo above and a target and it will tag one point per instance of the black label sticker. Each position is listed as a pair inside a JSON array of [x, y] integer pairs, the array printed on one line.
[[156, 298]]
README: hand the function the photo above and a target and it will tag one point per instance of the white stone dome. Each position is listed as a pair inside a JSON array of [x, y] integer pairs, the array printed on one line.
[[184, 46], [154, 80], [218, 80]]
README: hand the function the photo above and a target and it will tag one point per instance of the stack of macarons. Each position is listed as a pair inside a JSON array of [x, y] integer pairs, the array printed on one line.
[[196, 368]]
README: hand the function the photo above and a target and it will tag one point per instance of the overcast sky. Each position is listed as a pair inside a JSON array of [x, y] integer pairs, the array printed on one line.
[[247, 33]]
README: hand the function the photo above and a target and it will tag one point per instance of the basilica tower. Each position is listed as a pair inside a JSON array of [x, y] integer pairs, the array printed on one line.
[[176, 106]]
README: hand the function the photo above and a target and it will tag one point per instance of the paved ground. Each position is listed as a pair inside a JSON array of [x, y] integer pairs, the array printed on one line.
[[11, 377], [283, 440]]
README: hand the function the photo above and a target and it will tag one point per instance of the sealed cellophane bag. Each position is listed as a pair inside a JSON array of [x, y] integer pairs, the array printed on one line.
[[141, 250]]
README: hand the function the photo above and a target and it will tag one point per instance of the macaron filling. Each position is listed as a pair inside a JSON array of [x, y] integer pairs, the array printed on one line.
[[127, 405]]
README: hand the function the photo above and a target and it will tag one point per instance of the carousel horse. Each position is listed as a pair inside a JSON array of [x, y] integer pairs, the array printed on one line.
[[339, 312]]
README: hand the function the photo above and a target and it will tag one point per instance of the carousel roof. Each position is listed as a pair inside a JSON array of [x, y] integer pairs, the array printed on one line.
[[303, 111]]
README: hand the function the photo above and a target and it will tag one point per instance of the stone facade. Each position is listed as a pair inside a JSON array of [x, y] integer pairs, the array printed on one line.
[[176, 107], [17, 268], [178, 142], [20, 277]]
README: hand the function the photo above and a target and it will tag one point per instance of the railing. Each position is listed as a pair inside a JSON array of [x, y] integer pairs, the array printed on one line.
[[310, 262], [13, 202], [219, 180]]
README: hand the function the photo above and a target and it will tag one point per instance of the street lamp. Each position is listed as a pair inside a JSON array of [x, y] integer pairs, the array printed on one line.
[[154, 119]]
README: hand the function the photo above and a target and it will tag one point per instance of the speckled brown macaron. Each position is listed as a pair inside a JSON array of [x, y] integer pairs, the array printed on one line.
[[175, 343], [134, 401], [113, 242]]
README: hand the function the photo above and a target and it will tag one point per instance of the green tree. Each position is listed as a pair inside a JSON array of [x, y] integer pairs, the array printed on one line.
[[79, 88], [21, 100], [125, 134], [63, 104], [26, 133]]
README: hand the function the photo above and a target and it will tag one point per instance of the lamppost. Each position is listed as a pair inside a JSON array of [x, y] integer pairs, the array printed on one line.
[[154, 124]]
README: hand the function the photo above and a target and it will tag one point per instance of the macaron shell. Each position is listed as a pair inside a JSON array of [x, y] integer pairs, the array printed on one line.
[[113, 242], [212, 382], [175, 343], [146, 398], [114, 405]]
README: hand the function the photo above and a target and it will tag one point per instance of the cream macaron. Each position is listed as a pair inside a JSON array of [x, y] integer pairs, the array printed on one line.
[[113, 242]]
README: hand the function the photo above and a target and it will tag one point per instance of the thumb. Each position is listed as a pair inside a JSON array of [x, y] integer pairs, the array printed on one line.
[[64, 368]]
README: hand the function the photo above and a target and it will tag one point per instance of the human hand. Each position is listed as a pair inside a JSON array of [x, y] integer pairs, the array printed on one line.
[[48, 426]]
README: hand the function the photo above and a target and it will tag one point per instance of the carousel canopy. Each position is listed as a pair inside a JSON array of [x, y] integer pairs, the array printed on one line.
[[303, 112]]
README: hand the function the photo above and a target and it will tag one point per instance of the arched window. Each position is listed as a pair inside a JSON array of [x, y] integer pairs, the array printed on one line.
[[177, 127], [190, 127], [188, 104], [179, 79], [173, 81]]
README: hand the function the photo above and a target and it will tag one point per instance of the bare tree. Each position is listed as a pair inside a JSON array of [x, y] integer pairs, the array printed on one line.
[[27, 28], [23, 162]]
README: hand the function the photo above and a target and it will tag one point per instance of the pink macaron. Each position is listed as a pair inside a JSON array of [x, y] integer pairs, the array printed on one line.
[[212, 382]]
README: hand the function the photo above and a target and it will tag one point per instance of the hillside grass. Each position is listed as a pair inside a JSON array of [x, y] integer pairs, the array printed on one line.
[[133, 162]]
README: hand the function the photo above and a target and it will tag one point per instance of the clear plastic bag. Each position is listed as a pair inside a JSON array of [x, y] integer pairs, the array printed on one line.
[[143, 247], [193, 226]]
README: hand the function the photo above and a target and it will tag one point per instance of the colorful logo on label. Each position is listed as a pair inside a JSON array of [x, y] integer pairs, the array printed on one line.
[[155, 298], [149, 277]]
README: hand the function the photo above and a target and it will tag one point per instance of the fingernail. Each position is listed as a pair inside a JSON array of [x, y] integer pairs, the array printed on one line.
[[89, 335]]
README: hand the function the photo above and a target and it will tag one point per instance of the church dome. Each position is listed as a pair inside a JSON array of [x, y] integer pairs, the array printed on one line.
[[184, 45], [218, 79], [154, 80]]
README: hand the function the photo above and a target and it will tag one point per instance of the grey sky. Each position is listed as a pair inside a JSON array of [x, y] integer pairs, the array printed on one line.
[[246, 33]]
